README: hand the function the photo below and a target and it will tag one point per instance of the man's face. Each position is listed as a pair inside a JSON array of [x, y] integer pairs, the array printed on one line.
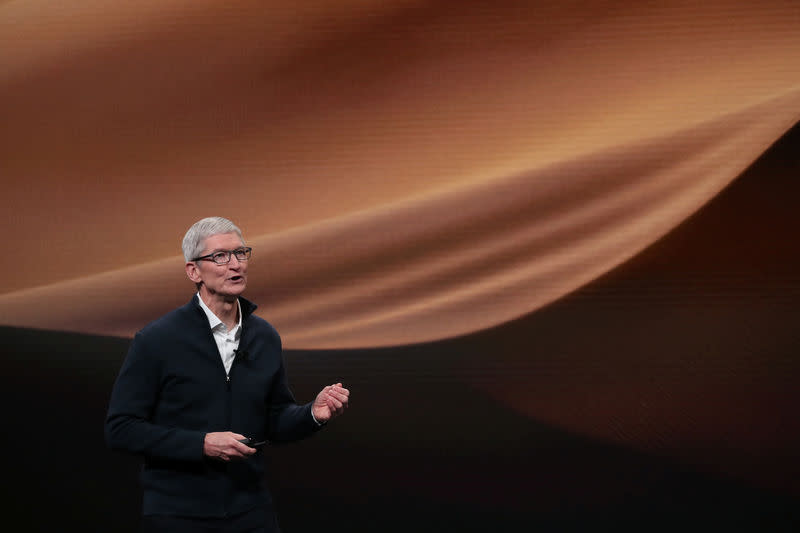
[[224, 280]]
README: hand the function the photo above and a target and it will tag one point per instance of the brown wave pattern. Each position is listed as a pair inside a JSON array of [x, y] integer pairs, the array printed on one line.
[[445, 264], [404, 173]]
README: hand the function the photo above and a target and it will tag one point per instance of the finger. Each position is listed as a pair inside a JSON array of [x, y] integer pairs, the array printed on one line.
[[340, 397], [333, 403], [232, 454], [242, 449]]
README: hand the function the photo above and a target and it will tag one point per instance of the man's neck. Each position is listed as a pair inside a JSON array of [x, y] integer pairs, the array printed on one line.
[[225, 308]]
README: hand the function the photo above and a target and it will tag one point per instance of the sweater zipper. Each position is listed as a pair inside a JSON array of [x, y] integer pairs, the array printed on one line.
[[229, 400]]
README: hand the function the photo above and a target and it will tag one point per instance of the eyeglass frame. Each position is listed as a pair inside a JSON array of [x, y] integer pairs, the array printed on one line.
[[248, 250]]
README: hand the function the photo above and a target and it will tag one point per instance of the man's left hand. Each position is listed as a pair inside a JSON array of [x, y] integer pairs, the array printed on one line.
[[330, 402]]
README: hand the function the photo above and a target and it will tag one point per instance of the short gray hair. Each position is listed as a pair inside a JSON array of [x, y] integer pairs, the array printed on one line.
[[195, 239]]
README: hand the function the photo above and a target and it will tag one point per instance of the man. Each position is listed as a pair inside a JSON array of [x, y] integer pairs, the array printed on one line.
[[197, 384]]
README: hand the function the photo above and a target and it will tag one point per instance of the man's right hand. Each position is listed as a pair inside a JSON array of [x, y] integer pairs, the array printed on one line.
[[225, 445]]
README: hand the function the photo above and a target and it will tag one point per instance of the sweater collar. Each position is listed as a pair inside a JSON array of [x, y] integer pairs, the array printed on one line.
[[246, 306]]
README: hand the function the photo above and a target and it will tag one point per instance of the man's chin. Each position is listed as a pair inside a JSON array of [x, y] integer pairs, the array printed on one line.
[[231, 290], [235, 291]]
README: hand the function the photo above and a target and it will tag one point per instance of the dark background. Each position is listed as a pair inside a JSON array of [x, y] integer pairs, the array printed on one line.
[[668, 390]]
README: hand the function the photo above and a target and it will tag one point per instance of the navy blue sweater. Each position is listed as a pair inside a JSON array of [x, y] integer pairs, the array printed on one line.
[[172, 389]]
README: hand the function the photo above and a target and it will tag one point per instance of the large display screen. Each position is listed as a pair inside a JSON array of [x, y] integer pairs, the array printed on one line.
[[549, 247]]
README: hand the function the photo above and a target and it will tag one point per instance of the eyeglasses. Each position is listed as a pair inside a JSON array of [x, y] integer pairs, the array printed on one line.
[[223, 257]]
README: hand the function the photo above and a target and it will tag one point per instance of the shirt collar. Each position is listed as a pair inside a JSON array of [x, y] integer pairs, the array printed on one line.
[[213, 320]]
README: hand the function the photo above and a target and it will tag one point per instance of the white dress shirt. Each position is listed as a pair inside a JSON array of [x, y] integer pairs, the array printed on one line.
[[227, 341]]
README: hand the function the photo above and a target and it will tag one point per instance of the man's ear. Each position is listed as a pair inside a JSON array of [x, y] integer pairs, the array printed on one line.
[[193, 272]]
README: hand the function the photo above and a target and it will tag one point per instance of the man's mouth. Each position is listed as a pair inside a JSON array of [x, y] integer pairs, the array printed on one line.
[[235, 278]]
